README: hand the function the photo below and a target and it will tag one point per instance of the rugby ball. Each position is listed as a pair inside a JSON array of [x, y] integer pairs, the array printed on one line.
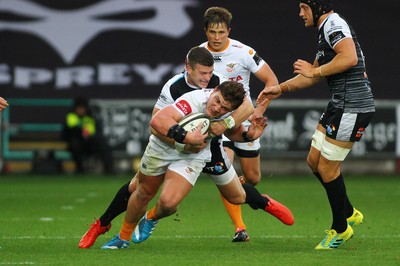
[[190, 122]]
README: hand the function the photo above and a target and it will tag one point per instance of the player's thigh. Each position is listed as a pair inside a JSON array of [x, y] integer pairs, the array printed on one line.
[[174, 189], [148, 186]]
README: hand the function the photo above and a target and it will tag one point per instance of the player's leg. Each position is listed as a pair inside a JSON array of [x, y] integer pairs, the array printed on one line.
[[232, 190], [219, 165], [147, 187], [102, 225], [248, 154], [178, 182], [343, 130], [332, 154]]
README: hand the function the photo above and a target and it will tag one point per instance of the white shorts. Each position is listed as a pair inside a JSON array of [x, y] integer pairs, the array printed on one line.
[[159, 157]]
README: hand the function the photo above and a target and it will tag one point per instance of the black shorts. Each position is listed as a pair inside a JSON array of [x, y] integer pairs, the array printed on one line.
[[344, 126], [241, 152], [220, 162]]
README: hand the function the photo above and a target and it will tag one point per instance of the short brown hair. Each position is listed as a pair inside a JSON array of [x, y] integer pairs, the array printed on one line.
[[201, 56], [217, 15], [232, 92]]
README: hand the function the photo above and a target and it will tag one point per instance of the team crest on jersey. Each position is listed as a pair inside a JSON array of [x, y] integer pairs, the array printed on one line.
[[230, 67], [251, 52], [189, 170], [184, 106]]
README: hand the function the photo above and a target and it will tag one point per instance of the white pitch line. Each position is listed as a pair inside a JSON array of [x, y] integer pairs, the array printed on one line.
[[197, 237]]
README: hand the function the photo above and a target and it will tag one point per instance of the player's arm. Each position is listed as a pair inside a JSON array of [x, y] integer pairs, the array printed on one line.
[[236, 118], [3, 104], [179, 146], [299, 82], [255, 130], [268, 77], [165, 122]]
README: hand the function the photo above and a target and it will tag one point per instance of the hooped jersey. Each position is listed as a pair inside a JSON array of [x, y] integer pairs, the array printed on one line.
[[178, 85], [237, 62], [350, 89]]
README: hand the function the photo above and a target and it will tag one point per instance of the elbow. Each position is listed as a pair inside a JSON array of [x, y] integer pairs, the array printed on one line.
[[354, 62], [154, 124]]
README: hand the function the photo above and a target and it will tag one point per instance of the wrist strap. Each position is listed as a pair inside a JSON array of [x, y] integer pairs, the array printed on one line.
[[245, 138], [229, 122], [177, 133]]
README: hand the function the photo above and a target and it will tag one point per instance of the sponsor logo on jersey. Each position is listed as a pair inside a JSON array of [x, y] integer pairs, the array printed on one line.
[[219, 167], [217, 58], [360, 132], [330, 129], [184, 106], [251, 52]]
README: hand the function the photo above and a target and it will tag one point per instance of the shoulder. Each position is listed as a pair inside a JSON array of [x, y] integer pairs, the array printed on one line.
[[204, 44], [334, 23], [241, 49]]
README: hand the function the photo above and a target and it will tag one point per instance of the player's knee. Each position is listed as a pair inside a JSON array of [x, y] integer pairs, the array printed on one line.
[[167, 204], [312, 163], [253, 177]]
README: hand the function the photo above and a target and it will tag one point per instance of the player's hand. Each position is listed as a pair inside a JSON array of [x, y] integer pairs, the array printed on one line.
[[3, 104], [195, 137], [267, 94], [194, 148], [258, 124], [217, 128], [303, 68]]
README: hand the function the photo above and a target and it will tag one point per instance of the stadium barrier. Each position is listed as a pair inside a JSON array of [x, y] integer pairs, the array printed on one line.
[[285, 142]]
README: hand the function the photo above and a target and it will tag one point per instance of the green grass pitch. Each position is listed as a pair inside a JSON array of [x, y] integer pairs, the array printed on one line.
[[42, 219]]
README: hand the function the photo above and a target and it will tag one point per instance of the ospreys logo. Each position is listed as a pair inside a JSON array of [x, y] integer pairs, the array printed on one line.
[[68, 31]]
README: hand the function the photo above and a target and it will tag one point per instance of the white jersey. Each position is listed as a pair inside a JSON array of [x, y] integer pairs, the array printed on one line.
[[179, 85], [190, 103], [237, 62]]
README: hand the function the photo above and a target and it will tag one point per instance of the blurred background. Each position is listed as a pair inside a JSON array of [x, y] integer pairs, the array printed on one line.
[[117, 54]]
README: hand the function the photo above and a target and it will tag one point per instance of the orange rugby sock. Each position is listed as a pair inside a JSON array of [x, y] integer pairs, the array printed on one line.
[[127, 230], [152, 214], [235, 212]]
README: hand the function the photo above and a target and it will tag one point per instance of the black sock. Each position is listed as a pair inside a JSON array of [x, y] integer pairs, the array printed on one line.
[[319, 177], [336, 192], [254, 198], [349, 206], [117, 206]]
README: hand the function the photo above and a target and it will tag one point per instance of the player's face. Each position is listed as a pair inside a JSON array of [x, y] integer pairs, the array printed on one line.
[[200, 75], [217, 36], [216, 105], [306, 15]]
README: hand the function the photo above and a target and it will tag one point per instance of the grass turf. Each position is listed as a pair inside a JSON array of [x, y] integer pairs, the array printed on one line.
[[43, 217]]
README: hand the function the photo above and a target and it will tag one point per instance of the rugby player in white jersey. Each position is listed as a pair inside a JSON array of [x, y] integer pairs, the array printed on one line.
[[178, 171], [198, 74], [237, 62]]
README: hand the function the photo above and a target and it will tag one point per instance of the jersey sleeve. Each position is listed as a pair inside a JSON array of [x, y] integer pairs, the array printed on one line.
[[336, 29], [165, 97], [253, 61], [189, 103]]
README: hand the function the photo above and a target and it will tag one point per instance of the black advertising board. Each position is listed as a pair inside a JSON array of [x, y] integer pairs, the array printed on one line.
[[127, 49]]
